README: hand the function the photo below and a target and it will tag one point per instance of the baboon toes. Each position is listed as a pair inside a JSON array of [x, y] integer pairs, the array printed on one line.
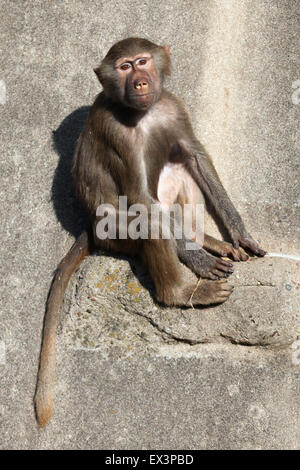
[[210, 292]]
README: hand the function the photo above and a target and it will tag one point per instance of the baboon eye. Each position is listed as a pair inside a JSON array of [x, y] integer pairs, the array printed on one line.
[[125, 66], [141, 61]]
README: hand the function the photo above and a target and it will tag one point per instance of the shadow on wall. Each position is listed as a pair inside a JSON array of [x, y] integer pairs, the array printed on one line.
[[67, 207]]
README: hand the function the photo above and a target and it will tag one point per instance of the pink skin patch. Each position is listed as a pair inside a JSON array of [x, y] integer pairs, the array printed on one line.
[[176, 185]]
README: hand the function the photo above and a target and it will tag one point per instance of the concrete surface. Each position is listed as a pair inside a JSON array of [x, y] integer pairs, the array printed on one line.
[[129, 374]]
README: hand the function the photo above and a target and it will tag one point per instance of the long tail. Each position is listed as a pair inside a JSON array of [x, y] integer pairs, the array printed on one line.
[[46, 375]]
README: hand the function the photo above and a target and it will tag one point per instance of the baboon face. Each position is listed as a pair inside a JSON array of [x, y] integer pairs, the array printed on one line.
[[133, 71]]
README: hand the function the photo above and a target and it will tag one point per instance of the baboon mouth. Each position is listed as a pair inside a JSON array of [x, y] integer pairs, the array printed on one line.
[[143, 95], [144, 100]]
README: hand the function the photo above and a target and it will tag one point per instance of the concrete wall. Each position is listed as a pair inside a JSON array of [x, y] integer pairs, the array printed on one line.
[[235, 64]]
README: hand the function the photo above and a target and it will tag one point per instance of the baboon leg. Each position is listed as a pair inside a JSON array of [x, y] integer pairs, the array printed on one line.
[[177, 186], [160, 257]]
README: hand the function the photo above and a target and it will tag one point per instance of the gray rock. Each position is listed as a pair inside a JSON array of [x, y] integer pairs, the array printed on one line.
[[106, 300]]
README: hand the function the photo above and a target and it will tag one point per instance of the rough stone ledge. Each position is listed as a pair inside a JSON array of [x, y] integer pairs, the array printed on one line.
[[110, 301]]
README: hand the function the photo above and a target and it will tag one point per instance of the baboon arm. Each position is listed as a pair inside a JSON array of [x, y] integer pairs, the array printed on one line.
[[201, 168]]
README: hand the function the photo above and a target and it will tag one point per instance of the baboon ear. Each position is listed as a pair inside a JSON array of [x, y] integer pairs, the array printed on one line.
[[167, 49], [97, 71]]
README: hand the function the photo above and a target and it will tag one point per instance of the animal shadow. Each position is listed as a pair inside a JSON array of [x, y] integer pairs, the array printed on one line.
[[67, 207]]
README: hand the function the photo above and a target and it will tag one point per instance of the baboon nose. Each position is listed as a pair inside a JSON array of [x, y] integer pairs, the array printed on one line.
[[141, 85]]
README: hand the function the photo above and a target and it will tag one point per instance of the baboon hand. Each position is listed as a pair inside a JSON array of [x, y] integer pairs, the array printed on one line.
[[245, 240]]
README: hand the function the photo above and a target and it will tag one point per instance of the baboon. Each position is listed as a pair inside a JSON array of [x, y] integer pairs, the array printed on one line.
[[138, 142]]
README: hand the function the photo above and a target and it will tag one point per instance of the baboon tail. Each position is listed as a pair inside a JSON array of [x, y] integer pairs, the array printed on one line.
[[46, 374]]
